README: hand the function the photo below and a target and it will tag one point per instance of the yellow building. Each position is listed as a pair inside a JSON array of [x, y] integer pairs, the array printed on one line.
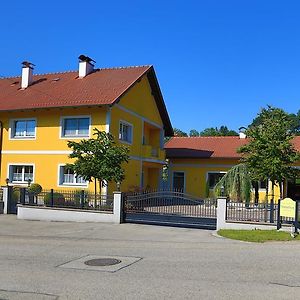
[[196, 164], [40, 113]]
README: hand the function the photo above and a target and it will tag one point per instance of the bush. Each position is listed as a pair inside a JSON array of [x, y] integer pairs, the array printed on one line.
[[58, 199], [35, 189]]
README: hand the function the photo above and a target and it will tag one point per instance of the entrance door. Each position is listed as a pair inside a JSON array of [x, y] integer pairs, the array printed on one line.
[[293, 189]]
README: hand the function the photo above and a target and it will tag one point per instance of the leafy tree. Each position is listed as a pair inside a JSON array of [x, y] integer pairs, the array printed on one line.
[[270, 153], [178, 132], [194, 132], [236, 184], [98, 159], [215, 131], [294, 126]]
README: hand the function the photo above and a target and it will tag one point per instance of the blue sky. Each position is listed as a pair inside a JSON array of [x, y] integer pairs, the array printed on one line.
[[218, 62]]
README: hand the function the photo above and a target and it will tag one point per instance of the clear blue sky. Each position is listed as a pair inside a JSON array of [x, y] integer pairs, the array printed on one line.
[[218, 62]]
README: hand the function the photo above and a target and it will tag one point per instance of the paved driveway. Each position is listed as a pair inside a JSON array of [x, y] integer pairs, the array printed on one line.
[[175, 263]]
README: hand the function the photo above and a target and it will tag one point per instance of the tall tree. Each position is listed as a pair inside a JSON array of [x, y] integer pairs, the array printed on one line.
[[99, 159], [269, 155], [178, 132], [215, 131], [194, 132]]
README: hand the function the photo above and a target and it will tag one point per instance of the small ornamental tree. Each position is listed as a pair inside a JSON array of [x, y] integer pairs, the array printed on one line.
[[99, 159], [269, 155], [236, 184]]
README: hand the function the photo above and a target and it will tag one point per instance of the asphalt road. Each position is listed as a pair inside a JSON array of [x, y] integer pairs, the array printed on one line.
[[176, 263]]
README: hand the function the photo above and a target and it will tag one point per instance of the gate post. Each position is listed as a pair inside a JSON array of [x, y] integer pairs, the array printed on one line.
[[118, 207], [221, 212], [7, 194]]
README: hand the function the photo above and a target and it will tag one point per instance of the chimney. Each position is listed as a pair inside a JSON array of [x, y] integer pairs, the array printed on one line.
[[85, 65], [27, 70], [242, 132]]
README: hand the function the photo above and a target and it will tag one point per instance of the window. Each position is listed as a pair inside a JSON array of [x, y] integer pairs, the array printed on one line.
[[178, 181], [125, 132], [261, 185], [213, 179], [78, 127], [68, 177], [23, 129], [21, 174]]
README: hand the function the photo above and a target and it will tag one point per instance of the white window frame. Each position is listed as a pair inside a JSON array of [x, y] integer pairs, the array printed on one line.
[[213, 172], [10, 174], [184, 178], [131, 134], [12, 129], [60, 179], [73, 137]]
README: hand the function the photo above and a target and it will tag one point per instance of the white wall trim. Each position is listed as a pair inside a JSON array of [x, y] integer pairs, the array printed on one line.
[[138, 115], [12, 127], [121, 121], [21, 164], [61, 127], [36, 152], [74, 185]]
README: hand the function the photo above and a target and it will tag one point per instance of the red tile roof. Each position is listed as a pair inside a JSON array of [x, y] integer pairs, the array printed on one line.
[[102, 87], [208, 147]]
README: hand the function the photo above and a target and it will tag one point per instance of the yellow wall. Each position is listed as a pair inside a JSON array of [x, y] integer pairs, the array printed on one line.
[[139, 107], [196, 175]]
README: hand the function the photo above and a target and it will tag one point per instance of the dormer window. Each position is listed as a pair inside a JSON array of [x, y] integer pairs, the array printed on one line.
[[23, 128]]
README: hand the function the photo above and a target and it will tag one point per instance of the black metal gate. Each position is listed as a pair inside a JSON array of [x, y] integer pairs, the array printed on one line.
[[170, 208]]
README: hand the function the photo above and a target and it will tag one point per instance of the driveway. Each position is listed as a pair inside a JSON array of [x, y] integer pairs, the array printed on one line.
[[45, 260]]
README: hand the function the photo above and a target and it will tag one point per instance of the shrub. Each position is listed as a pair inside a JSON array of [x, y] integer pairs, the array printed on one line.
[[35, 189], [58, 199]]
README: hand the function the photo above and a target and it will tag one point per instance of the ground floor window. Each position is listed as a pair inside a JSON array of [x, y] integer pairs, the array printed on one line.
[[69, 177], [213, 178], [20, 173], [178, 181]]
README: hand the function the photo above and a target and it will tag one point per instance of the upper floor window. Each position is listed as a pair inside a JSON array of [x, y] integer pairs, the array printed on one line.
[[23, 128], [76, 127], [125, 132], [20, 173], [69, 177]]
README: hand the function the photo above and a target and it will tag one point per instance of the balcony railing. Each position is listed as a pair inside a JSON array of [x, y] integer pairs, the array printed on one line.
[[154, 152]]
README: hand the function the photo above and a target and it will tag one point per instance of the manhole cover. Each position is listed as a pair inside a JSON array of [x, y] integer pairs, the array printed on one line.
[[101, 262]]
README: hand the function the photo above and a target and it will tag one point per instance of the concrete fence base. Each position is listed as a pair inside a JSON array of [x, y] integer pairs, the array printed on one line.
[[222, 223], [26, 212]]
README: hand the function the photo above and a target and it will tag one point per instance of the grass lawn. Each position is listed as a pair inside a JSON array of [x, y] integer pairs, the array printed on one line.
[[258, 236]]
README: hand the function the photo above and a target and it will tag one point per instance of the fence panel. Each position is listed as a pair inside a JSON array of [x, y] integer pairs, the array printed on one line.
[[76, 199]]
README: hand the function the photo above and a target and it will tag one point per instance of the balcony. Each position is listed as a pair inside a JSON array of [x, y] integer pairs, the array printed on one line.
[[149, 151]]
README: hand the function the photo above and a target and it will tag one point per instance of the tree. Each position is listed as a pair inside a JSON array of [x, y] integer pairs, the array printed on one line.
[[269, 155], [215, 131], [98, 159], [236, 184], [194, 132], [178, 132], [294, 118]]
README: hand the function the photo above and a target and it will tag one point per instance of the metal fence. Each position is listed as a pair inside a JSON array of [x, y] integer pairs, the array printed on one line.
[[76, 199], [170, 203], [1, 194], [251, 212]]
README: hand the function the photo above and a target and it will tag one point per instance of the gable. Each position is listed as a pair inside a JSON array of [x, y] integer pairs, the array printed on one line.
[[140, 100]]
